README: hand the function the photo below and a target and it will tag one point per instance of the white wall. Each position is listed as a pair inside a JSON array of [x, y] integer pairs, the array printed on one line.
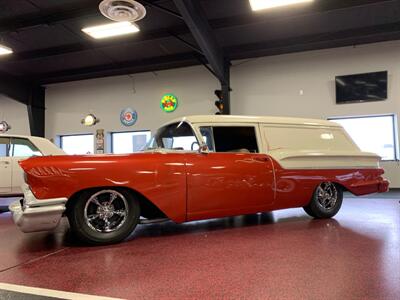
[[273, 85], [263, 86], [15, 114], [68, 103]]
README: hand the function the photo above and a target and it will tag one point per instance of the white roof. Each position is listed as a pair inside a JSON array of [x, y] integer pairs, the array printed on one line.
[[253, 119], [44, 145], [32, 138]]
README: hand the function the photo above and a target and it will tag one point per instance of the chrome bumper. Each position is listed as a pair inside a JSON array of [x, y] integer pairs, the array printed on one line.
[[32, 215]]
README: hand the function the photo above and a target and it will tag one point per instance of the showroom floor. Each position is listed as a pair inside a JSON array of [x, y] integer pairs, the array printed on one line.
[[279, 255]]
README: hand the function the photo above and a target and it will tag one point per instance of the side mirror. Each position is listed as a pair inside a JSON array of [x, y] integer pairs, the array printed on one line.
[[203, 148]]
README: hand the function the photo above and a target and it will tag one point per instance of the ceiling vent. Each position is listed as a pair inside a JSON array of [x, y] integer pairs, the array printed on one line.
[[122, 10]]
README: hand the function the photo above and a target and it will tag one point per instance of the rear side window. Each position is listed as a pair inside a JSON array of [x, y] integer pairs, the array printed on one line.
[[23, 148], [230, 138], [4, 146], [301, 138]]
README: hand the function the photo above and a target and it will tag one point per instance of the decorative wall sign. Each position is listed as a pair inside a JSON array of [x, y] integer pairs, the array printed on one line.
[[128, 116], [99, 141], [4, 127], [169, 103]]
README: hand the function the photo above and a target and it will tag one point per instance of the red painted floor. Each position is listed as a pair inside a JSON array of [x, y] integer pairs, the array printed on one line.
[[279, 255]]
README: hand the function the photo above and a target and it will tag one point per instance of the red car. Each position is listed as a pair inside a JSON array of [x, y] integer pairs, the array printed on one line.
[[199, 167]]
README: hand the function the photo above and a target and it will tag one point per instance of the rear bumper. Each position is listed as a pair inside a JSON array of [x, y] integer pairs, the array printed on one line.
[[32, 215], [384, 186], [369, 187]]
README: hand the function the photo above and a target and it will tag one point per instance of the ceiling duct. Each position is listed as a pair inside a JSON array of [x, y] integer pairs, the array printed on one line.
[[122, 10]]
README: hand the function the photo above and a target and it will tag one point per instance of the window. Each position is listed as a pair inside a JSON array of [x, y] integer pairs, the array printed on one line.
[[23, 148], [307, 138], [375, 134], [129, 142], [4, 146], [177, 136], [77, 144], [230, 138]]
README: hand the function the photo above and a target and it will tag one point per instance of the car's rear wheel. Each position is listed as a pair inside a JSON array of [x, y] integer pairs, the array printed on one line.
[[104, 216], [326, 201]]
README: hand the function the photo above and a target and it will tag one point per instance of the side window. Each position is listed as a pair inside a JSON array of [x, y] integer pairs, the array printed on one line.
[[178, 136], [4, 146], [231, 138], [23, 148]]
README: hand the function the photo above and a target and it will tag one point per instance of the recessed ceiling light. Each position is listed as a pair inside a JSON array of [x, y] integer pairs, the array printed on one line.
[[111, 29], [264, 4], [5, 50]]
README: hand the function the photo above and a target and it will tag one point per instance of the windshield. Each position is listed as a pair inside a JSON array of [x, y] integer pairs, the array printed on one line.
[[176, 136]]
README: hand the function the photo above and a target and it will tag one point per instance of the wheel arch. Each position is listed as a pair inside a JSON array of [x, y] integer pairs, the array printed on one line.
[[338, 184], [343, 187], [148, 209]]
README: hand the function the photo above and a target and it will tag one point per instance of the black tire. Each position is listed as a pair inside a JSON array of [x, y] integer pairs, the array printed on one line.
[[98, 231], [321, 206]]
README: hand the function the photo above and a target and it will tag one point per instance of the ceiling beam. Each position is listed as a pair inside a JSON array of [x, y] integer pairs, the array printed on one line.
[[140, 37], [201, 30], [122, 68], [219, 23], [351, 37], [87, 8], [325, 40], [83, 8], [284, 15], [61, 13]]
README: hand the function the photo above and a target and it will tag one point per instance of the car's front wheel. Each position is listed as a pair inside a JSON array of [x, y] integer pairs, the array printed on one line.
[[326, 201], [104, 216]]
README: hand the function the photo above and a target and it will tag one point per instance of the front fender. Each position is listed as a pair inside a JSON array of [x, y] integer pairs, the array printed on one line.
[[158, 177]]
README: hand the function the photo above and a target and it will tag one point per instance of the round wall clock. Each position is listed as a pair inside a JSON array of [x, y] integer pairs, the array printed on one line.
[[128, 117], [169, 103]]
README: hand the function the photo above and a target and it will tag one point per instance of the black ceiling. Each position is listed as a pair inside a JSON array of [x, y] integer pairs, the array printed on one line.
[[49, 46]]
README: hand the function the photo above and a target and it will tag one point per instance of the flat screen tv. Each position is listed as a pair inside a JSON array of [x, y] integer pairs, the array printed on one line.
[[362, 87]]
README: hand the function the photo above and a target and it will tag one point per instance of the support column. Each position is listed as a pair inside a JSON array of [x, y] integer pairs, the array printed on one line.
[[36, 111]]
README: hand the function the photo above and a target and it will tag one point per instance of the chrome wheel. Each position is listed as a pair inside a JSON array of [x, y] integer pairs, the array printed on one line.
[[106, 211], [327, 195]]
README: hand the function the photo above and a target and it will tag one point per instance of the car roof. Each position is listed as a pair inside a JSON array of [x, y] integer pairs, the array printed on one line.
[[21, 136], [254, 119], [45, 146]]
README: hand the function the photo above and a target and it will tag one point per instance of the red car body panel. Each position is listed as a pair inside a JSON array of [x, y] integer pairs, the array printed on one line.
[[192, 186]]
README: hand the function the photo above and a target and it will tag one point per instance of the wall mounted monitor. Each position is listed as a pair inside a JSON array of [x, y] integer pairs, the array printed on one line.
[[362, 87]]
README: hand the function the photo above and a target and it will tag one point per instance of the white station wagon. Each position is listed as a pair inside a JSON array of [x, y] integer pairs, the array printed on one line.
[[14, 148]]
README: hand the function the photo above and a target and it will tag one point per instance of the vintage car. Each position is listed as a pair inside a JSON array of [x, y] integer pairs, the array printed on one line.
[[14, 148], [199, 167]]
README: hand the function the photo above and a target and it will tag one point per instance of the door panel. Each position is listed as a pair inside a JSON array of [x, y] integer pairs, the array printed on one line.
[[5, 175], [224, 184], [5, 166], [17, 175]]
